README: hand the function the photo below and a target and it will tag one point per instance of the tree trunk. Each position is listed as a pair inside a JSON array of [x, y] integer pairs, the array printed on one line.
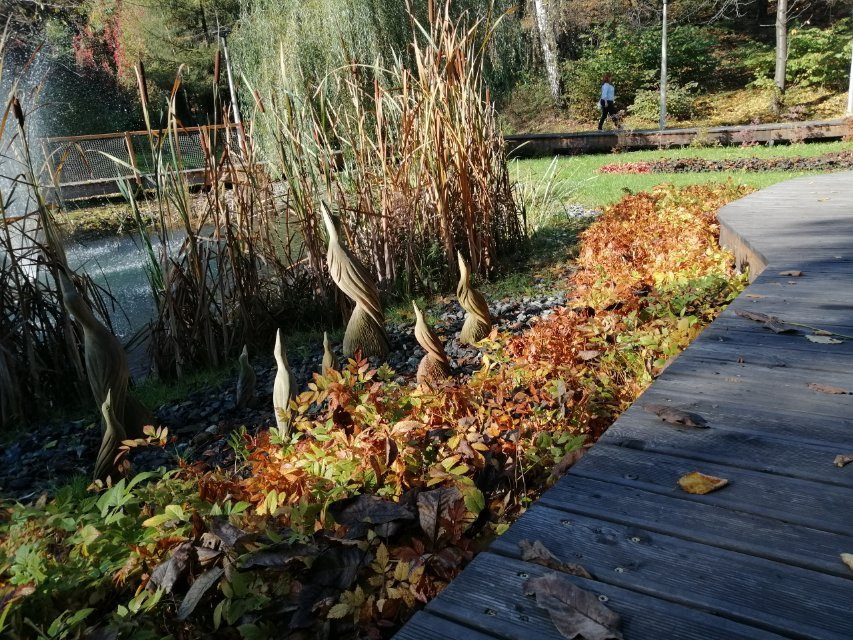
[[781, 54], [760, 13], [548, 40]]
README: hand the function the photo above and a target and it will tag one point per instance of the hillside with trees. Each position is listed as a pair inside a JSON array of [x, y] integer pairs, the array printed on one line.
[[543, 67]]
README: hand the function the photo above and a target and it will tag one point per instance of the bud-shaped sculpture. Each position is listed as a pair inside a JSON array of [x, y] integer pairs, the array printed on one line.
[[478, 321], [284, 386], [106, 363], [329, 360], [366, 327], [435, 365], [245, 380], [113, 435]]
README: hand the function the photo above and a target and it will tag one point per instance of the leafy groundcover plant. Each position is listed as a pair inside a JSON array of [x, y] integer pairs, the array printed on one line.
[[381, 492]]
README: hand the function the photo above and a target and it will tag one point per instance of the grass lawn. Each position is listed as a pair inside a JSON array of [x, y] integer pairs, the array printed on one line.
[[554, 184]]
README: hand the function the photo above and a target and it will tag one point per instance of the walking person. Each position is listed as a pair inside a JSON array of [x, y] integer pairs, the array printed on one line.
[[607, 102]]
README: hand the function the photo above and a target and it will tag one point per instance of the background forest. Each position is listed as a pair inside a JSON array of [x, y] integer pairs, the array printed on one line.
[[543, 68]]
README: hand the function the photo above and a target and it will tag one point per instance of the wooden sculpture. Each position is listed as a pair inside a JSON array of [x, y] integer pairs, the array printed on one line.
[[245, 381], [284, 386], [434, 366], [366, 327], [478, 321], [106, 363], [114, 433], [330, 361]]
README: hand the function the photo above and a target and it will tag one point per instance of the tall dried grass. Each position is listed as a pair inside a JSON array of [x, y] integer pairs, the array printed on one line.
[[411, 158], [40, 364]]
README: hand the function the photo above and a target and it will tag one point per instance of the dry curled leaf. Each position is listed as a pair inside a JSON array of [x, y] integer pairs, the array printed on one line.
[[847, 558], [822, 338], [676, 416], [589, 354], [841, 460], [566, 463], [538, 553], [699, 483], [791, 274], [576, 613], [754, 315], [827, 388]]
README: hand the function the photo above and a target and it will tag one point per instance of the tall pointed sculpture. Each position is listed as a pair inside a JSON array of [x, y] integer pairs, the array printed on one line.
[[434, 366], [478, 321], [366, 326], [106, 363], [330, 361], [284, 386], [114, 433], [246, 380]]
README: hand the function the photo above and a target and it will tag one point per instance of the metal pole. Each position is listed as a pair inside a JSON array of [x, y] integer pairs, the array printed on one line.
[[663, 71], [235, 107]]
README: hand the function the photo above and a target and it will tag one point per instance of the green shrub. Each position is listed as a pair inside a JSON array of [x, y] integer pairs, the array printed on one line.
[[679, 102], [816, 57], [820, 57]]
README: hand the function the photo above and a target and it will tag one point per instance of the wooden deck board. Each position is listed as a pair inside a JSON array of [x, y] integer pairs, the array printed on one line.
[[506, 612], [769, 595], [760, 557]]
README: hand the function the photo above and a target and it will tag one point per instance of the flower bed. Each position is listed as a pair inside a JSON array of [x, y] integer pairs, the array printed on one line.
[[383, 491], [825, 162]]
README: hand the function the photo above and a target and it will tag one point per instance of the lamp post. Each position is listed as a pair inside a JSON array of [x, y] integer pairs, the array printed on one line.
[[663, 71]]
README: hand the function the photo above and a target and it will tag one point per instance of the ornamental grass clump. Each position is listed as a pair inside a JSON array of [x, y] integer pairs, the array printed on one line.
[[409, 155]]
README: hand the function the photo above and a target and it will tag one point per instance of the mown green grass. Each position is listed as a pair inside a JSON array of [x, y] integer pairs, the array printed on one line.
[[580, 182]]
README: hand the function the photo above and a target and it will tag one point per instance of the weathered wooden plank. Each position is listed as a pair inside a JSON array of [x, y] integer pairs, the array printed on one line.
[[746, 353], [794, 427], [811, 504], [490, 596], [725, 442], [750, 590], [778, 391], [733, 330], [426, 626], [712, 525]]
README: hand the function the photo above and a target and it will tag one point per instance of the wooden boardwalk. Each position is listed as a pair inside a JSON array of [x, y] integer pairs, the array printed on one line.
[[578, 142], [758, 558]]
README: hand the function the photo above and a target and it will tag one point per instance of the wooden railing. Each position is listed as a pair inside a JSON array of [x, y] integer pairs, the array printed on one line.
[[104, 159]]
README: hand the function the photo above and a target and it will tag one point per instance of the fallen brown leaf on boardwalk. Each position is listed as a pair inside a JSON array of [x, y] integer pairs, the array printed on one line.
[[566, 463], [840, 460], [755, 295], [791, 274], [676, 416], [538, 553], [823, 339], [847, 558], [827, 388], [576, 613], [771, 322], [699, 483], [754, 315]]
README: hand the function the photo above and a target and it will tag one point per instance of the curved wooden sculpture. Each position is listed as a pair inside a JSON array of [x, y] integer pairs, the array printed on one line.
[[114, 433], [434, 366], [366, 327], [478, 321], [106, 363], [284, 386], [245, 380], [330, 361]]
